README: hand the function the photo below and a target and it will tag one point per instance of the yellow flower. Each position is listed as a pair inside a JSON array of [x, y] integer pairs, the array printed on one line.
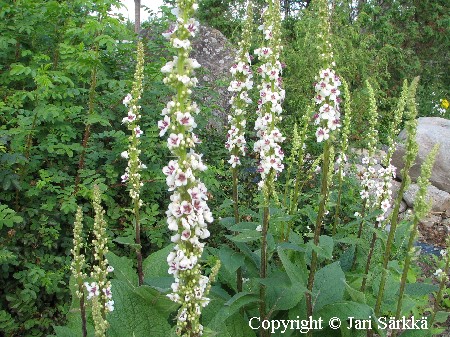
[[445, 103]]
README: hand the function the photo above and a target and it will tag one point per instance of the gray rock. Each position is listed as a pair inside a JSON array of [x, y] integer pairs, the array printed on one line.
[[403, 207], [430, 131], [430, 220], [446, 222], [440, 200], [394, 188]]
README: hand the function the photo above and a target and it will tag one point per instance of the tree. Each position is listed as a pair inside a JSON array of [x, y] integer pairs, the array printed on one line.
[[137, 16]]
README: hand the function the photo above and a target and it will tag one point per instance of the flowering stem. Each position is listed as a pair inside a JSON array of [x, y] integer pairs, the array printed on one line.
[[188, 213], [78, 264], [300, 160], [411, 152], [343, 150], [324, 196], [132, 173], [421, 209]]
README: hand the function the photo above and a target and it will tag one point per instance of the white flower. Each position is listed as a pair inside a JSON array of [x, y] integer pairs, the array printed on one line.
[[163, 125], [322, 134], [127, 99], [177, 43], [92, 289], [259, 228], [438, 273], [110, 305], [137, 131]]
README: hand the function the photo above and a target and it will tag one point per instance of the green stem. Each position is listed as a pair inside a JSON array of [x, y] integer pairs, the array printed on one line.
[[369, 257], [361, 225], [263, 270], [82, 309], [138, 242], [390, 241], [441, 289], [412, 236], [317, 230], [236, 221], [338, 203]]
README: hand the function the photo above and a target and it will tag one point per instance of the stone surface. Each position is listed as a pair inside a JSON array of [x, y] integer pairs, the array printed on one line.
[[430, 220], [430, 131], [440, 200], [403, 207], [216, 56]]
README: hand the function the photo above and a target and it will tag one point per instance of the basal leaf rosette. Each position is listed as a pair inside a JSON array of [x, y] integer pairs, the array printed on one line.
[[188, 213]]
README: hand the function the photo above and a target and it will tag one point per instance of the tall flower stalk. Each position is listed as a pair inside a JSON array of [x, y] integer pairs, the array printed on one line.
[[188, 213], [368, 161], [421, 209], [381, 185], [240, 85], [410, 155], [78, 264], [342, 158], [327, 120], [132, 173], [100, 289], [297, 157], [269, 114]]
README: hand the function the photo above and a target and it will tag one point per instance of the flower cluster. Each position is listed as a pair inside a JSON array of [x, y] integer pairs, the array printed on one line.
[[240, 84], [327, 97], [132, 175], [376, 183], [440, 107], [188, 213], [100, 290], [79, 261], [327, 83], [271, 96]]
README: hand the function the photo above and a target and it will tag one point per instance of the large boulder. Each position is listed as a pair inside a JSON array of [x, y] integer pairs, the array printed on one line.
[[216, 56], [440, 200], [430, 131]]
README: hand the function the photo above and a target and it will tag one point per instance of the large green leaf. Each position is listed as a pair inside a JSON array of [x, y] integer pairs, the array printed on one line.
[[245, 236], [231, 259], [281, 293], [329, 285], [227, 321], [325, 247], [343, 310], [420, 289], [137, 312], [156, 264], [123, 269], [294, 264]]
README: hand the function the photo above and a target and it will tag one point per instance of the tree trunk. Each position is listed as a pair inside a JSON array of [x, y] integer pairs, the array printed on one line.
[[137, 16]]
